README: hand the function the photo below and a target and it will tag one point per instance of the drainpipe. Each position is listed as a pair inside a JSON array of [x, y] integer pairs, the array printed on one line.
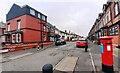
[[42, 31]]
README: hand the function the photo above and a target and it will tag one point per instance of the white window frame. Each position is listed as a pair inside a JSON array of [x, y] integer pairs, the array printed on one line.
[[39, 16], [13, 37], [109, 16], [32, 12], [116, 9], [9, 27], [18, 23], [3, 38], [18, 37], [43, 17], [105, 19]]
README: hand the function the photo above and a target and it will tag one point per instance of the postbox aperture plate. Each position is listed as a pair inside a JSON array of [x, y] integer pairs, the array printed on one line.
[[108, 48]]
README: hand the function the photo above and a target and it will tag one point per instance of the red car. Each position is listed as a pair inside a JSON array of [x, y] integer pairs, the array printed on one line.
[[82, 43]]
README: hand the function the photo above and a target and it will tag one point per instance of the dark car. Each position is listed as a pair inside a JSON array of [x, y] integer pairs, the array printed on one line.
[[60, 42]]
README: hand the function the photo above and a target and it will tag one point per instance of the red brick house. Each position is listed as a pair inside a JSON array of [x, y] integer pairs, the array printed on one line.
[[108, 23], [25, 25], [2, 31]]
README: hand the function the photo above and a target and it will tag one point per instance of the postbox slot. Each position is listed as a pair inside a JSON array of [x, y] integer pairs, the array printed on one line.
[[109, 43]]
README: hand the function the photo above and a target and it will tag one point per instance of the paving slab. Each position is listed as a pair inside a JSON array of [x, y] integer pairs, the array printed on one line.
[[67, 64]]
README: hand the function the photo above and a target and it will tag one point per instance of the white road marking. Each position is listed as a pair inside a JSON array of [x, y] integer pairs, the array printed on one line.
[[93, 64], [19, 56], [66, 64]]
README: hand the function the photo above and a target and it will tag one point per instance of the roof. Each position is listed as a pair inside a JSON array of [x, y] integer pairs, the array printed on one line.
[[17, 11]]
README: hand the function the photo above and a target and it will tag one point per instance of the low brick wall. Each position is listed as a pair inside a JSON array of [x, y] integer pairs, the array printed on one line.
[[17, 47]]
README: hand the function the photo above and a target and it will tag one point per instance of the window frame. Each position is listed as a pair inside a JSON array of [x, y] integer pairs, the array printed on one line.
[[113, 30], [8, 28], [13, 38], [18, 24], [43, 18], [116, 5], [39, 15], [32, 12]]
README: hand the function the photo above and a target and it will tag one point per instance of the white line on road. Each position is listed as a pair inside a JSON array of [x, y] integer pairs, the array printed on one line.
[[19, 56], [93, 64]]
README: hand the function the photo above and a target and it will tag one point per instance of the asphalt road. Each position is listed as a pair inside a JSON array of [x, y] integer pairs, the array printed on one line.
[[34, 60], [52, 55]]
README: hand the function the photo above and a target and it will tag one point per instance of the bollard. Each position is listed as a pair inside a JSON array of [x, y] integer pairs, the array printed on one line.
[[85, 49], [106, 54], [47, 68], [42, 45]]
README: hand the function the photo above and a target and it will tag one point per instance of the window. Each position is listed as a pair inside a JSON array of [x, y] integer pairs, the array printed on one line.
[[116, 9], [116, 30], [113, 30], [39, 15], [18, 38], [18, 24], [45, 29], [105, 20], [32, 11], [8, 39], [109, 16], [13, 38], [43, 17], [102, 32], [8, 26]]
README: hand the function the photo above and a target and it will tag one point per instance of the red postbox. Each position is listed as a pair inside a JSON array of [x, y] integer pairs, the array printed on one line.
[[107, 54]]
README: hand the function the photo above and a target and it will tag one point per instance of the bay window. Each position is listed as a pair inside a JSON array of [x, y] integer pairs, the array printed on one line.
[[113, 30]]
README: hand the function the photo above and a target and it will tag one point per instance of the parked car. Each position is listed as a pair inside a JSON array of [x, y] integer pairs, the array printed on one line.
[[82, 43], [60, 42]]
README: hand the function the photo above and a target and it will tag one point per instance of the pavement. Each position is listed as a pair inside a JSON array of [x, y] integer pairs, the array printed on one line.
[[64, 58], [97, 57]]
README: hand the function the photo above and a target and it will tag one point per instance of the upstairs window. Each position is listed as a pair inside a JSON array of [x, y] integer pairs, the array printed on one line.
[[18, 24], [109, 16], [43, 17], [39, 16], [116, 9], [106, 20], [8, 27], [32, 11]]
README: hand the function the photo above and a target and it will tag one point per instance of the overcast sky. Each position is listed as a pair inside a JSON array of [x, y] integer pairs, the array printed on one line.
[[77, 16]]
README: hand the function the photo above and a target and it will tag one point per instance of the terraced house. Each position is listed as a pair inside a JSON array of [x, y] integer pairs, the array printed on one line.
[[107, 23], [2, 31]]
